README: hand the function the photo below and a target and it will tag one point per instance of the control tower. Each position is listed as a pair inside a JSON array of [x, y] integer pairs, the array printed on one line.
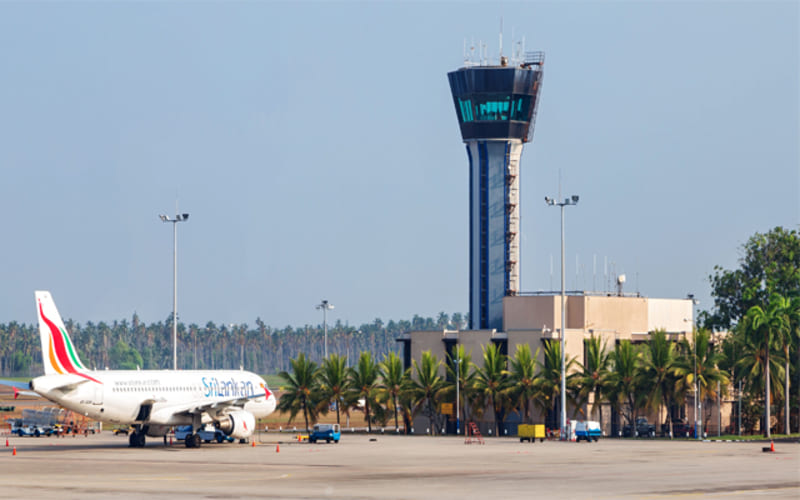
[[496, 109]]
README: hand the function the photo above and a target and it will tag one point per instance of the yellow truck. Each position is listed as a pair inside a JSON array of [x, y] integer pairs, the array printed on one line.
[[530, 432]]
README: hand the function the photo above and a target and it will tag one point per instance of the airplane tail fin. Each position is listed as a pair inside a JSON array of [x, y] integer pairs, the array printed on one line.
[[58, 353]]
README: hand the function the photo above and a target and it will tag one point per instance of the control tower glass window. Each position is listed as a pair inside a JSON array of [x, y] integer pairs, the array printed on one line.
[[494, 107]]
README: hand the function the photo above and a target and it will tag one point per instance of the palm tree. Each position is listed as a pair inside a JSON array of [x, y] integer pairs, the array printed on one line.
[[762, 327], [302, 389], [710, 378], [333, 383], [789, 309], [491, 381], [624, 378], [658, 366], [393, 378], [465, 377], [548, 381], [425, 386], [523, 378], [593, 378], [363, 380]]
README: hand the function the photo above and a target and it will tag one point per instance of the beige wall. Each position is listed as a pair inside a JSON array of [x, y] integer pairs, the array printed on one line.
[[623, 315], [473, 342], [422, 341], [672, 315], [528, 313]]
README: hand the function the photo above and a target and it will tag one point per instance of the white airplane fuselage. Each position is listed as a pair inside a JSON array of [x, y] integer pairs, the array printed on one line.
[[117, 396]]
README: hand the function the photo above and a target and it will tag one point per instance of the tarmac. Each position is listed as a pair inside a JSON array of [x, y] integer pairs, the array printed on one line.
[[395, 467]]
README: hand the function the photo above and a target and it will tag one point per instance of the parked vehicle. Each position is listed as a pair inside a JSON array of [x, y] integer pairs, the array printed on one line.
[[680, 428], [208, 433], [642, 429], [328, 432], [587, 430]]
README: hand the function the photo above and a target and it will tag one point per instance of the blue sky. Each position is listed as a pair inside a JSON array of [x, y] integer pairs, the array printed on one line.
[[316, 147]]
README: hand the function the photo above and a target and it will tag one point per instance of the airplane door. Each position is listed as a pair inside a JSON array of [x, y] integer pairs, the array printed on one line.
[[97, 398]]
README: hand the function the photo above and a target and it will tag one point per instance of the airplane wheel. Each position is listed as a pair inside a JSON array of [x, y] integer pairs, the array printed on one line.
[[140, 439], [132, 440]]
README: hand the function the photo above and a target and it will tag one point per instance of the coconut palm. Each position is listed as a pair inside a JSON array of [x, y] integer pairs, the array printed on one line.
[[393, 378], [333, 384], [302, 391], [593, 378], [658, 366], [624, 379], [522, 377], [363, 381], [425, 386], [491, 382], [789, 309], [762, 327], [548, 381], [466, 380]]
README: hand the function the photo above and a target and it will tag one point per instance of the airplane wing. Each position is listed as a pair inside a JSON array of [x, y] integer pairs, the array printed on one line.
[[211, 407], [17, 386], [14, 384]]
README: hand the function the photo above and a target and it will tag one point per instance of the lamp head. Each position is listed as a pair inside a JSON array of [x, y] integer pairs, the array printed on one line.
[[575, 198]]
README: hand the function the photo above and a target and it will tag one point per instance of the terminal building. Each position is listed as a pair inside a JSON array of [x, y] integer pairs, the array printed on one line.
[[496, 110], [535, 319]]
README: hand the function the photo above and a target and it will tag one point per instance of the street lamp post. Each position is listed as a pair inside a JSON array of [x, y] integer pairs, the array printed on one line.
[[325, 306], [697, 430], [573, 200], [178, 218], [458, 397]]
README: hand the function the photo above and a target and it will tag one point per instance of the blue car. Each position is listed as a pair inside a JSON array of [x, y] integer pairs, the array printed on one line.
[[208, 433]]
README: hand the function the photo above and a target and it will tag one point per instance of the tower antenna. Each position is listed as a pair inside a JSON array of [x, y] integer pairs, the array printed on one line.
[[501, 38]]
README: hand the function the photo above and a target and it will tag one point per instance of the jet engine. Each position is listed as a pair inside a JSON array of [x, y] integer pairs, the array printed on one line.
[[156, 430], [238, 424]]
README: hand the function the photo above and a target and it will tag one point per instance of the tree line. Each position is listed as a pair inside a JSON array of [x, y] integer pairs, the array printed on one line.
[[260, 349], [630, 378]]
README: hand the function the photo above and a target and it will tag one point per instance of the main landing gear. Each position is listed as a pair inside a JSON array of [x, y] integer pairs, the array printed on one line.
[[137, 438], [193, 440]]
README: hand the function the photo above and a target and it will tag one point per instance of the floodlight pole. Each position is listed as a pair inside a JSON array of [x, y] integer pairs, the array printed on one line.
[[178, 218], [325, 306], [573, 200]]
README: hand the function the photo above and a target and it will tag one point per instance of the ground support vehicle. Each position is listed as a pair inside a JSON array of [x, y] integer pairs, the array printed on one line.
[[326, 432], [530, 432], [587, 430]]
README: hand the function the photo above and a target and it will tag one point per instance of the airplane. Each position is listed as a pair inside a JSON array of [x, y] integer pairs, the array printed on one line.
[[152, 401]]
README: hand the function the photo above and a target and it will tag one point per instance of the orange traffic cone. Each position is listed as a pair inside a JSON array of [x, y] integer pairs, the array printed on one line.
[[14, 453], [771, 446], [278, 448], [6, 442], [254, 443]]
